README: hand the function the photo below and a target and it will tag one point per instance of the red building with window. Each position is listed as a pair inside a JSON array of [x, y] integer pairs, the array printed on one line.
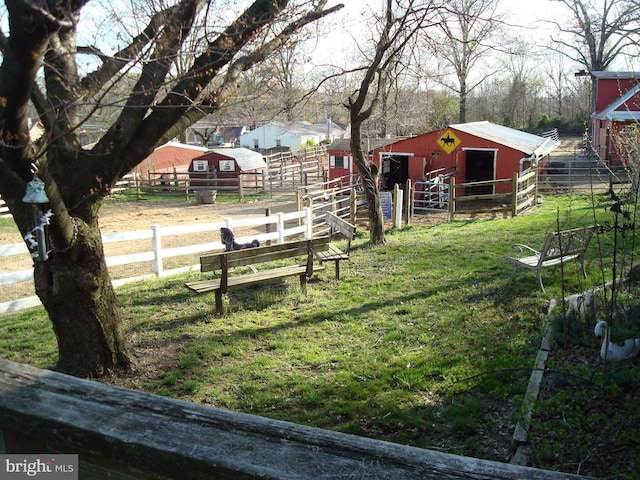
[[477, 151], [228, 167], [617, 107]]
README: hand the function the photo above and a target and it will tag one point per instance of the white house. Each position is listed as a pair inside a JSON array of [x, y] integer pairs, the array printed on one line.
[[290, 134]]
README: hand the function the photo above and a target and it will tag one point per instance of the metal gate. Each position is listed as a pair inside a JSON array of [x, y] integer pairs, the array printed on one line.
[[432, 198]]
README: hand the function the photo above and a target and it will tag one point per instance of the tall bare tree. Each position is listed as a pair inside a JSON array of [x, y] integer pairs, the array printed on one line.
[[467, 28], [73, 282], [598, 32], [398, 27]]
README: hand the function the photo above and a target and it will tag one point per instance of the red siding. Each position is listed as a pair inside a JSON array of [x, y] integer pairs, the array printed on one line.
[[168, 157], [608, 90], [428, 155]]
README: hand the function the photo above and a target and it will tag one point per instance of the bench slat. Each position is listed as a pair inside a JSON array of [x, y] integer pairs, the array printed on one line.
[[269, 253], [204, 286], [333, 253], [341, 225]]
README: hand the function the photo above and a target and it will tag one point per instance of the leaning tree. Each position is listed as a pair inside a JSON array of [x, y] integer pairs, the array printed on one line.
[[41, 73], [397, 28]]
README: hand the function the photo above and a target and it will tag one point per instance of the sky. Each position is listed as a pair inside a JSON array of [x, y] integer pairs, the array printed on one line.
[[532, 17]]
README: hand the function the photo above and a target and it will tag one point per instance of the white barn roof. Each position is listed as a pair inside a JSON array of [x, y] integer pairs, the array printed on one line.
[[245, 158], [528, 143]]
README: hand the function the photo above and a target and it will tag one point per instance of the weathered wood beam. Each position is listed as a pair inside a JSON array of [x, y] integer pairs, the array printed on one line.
[[149, 436]]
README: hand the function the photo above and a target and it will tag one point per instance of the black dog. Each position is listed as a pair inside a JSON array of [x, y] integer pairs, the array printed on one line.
[[229, 241]]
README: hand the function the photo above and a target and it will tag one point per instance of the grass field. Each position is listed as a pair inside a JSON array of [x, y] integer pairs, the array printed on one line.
[[420, 342]]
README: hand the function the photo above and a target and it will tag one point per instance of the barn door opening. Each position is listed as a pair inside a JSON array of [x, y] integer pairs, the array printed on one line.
[[480, 166], [395, 169]]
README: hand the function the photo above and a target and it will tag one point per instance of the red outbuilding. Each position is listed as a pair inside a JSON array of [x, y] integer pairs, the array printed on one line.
[[341, 160], [228, 167], [170, 157], [617, 107], [477, 151]]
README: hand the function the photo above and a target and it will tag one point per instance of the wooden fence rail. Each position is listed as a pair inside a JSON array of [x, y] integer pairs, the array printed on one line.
[[272, 228], [121, 433], [522, 197]]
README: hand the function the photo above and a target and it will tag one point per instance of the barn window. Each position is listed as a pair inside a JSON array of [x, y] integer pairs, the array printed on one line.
[[200, 165], [226, 165], [278, 143], [339, 161], [256, 143]]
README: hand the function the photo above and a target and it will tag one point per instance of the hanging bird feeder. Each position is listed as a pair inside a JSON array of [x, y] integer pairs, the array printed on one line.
[[37, 238]]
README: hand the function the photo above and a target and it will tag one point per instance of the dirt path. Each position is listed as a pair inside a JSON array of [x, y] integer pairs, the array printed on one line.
[[117, 216]]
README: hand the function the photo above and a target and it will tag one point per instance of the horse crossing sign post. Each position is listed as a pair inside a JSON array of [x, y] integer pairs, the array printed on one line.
[[448, 141]]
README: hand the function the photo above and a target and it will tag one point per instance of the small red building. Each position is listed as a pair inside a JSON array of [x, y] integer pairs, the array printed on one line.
[[170, 157], [617, 105], [230, 167], [478, 151], [341, 160]]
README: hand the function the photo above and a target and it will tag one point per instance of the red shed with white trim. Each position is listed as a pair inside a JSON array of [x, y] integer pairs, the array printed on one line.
[[230, 163], [479, 151]]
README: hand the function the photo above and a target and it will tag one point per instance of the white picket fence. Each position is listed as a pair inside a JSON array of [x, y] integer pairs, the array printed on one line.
[[274, 228], [4, 210]]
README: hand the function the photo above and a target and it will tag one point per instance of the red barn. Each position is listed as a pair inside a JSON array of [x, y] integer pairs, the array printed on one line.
[[478, 151], [171, 157], [341, 160], [231, 164], [617, 105]]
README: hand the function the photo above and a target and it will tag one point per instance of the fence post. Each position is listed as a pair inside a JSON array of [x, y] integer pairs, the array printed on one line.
[[407, 202], [240, 192], [267, 226], [156, 247], [280, 228], [514, 195], [397, 206], [452, 199], [308, 223], [354, 206]]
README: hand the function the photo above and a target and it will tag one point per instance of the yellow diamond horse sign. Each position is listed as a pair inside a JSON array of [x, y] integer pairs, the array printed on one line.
[[448, 141]]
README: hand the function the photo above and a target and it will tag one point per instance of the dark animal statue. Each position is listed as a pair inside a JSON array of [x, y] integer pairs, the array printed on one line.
[[229, 241]]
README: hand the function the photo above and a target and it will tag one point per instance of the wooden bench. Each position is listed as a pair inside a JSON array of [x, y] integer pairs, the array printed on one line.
[[333, 253], [225, 261], [559, 247]]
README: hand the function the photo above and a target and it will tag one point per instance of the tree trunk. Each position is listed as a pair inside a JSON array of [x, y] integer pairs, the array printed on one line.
[[369, 174], [376, 217], [462, 118], [75, 288]]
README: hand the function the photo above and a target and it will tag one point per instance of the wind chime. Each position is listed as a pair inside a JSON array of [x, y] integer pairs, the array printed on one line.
[[37, 238]]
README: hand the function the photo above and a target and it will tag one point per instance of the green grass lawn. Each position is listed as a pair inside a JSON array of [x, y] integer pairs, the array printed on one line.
[[420, 342]]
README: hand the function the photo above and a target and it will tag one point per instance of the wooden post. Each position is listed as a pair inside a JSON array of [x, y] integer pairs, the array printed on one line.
[[354, 206], [452, 199], [514, 195], [267, 226], [399, 202], [156, 246], [394, 204], [240, 192], [138, 178], [407, 202]]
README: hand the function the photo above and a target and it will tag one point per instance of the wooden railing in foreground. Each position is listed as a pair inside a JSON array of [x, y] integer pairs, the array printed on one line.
[[120, 433]]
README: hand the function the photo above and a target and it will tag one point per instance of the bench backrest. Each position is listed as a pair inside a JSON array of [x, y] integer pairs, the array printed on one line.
[[267, 253], [567, 243], [342, 226]]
